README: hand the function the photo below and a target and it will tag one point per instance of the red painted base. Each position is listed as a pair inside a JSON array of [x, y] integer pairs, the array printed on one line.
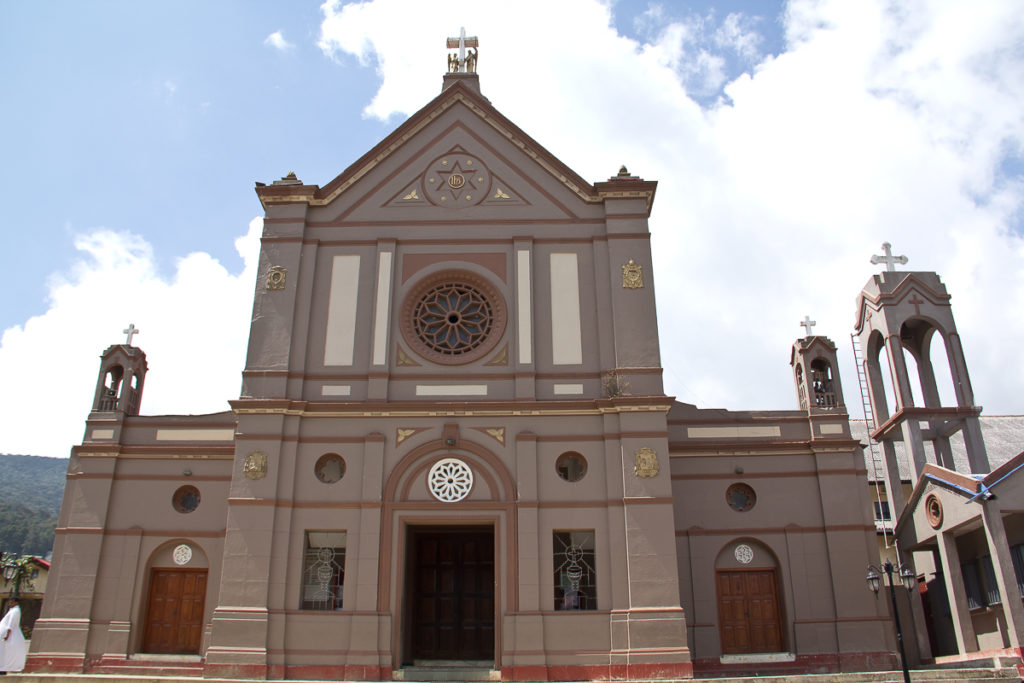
[[803, 664], [623, 672]]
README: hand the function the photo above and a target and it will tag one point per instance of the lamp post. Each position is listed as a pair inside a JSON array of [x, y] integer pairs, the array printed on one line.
[[909, 581]]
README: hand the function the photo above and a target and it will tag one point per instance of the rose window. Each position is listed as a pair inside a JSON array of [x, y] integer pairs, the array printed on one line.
[[450, 480], [453, 318]]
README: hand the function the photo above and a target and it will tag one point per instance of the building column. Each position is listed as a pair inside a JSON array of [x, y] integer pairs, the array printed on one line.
[[1006, 578], [966, 640]]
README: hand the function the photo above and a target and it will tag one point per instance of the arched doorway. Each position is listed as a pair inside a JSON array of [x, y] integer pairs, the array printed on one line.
[[176, 600], [749, 607]]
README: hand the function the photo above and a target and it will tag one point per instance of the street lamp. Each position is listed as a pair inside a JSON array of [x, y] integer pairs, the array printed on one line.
[[909, 581]]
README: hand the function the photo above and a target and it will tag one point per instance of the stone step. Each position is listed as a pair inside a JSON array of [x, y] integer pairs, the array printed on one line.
[[936, 675], [446, 671]]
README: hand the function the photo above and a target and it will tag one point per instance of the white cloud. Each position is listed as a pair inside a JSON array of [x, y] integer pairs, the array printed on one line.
[[194, 329], [878, 123], [276, 40]]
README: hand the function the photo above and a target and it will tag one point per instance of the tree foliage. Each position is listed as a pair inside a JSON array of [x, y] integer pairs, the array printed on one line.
[[32, 488]]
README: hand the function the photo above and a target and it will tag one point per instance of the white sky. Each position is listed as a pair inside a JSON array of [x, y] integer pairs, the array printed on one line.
[[781, 170]]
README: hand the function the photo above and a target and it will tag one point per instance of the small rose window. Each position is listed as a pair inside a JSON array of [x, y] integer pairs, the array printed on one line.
[[740, 497], [185, 499]]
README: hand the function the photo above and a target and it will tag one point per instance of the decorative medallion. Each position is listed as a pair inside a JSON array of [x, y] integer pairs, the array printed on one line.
[[744, 554], [456, 180], [453, 317], [276, 277], [645, 463], [933, 510], [450, 480], [329, 468], [497, 433], [255, 466], [182, 555], [632, 275]]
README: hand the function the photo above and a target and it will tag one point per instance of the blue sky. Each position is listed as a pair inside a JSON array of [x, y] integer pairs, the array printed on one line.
[[789, 140]]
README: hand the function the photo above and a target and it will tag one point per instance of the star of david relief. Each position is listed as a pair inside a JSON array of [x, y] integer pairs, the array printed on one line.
[[456, 180]]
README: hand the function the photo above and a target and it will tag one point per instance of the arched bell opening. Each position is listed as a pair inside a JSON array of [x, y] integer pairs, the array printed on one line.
[[823, 384]]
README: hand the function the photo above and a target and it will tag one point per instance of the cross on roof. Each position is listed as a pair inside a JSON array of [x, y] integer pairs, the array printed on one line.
[[463, 63], [889, 260], [808, 324], [131, 331]]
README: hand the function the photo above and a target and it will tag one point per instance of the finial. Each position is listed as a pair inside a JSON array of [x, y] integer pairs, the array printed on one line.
[[808, 324], [623, 171], [131, 331], [464, 62], [888, 259]]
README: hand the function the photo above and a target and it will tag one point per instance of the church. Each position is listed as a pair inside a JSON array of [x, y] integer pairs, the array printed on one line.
[[453, 450]]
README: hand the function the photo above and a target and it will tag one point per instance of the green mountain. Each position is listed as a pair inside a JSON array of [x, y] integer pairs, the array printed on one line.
[[32, 488]]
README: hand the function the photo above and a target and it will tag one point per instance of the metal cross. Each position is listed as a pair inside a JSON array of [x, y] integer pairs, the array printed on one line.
[[808, 324], [462, 42], [131, 331], [889, 260]]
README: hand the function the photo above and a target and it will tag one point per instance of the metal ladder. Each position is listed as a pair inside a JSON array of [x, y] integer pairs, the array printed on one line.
[[869, 420]]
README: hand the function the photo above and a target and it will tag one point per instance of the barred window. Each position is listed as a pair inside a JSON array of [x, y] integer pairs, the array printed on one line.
[[1017, 555], [976, 598], [990, 580], [323, 570], [575, 578]]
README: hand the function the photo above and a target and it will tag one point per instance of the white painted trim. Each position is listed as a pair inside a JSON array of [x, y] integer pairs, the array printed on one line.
[[733, 432], [102, 434], [566, 329], [195, 435], [380, 319], [341, 310], [451, 389], [563, 389], [336, 390], [524, 306]]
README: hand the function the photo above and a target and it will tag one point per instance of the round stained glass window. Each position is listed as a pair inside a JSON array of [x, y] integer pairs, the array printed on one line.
[[185, 499], [740, 497], [453, 318], [450, 480], [329, 468]]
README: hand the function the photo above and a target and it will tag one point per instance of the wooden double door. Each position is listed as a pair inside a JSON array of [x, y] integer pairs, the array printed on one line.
[[450, 584], [174, 611], [748, 611]]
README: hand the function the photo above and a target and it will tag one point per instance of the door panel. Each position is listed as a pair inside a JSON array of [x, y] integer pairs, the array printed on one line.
[[174, 611], [453, 605], [748, 611]]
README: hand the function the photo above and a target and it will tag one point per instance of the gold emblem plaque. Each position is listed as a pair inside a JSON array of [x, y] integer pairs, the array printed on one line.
[[276, 277], [632, 275], [645, 463], [255, 466]]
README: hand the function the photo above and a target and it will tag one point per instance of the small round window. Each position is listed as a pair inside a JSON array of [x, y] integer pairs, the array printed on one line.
[[330, 468], [185, 499], [571, 466], [740, 497]]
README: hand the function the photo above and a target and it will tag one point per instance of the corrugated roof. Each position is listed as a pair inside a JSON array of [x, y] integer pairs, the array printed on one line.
[[1003, 434]]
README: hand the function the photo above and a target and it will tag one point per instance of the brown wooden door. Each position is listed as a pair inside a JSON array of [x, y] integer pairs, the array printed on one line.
[[174, 611], [748, 611], [452, 588]]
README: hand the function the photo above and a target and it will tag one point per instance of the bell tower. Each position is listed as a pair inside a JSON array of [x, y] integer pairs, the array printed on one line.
[[815, 373], [122, 373], [907, 313]]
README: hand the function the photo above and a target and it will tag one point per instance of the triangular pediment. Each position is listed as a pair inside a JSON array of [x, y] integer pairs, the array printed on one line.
[[457, 159]]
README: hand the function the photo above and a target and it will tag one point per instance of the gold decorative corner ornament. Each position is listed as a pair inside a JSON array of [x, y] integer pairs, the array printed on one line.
[[255, 466], [404, 434], [645, 463], [404, 360], [632, 275], [498, 433], [412, 195], [276, 277], [501, 194]]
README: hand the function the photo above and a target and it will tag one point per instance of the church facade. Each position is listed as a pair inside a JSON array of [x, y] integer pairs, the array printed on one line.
[[452, 446]]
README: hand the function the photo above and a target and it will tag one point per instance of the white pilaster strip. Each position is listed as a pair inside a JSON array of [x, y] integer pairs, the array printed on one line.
[[341, 310], [566, 330], [523, 306], [380, 318]]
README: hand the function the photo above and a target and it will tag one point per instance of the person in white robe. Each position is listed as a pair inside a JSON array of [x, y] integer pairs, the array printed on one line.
[[12, 642]]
